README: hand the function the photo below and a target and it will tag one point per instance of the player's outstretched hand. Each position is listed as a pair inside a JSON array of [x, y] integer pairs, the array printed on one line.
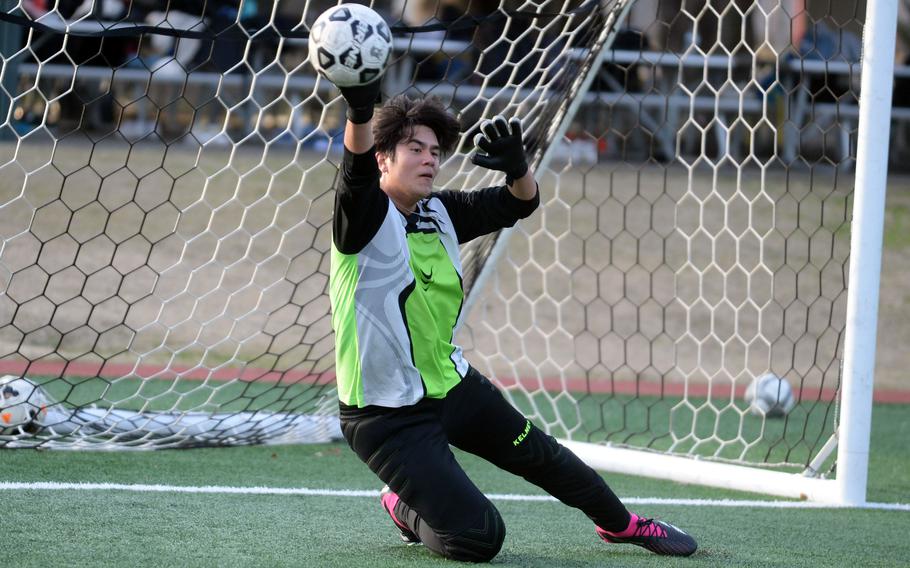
[[361, 100], [501, 147]]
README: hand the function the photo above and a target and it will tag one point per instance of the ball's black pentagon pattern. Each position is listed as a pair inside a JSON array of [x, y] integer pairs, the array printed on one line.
[[361, 31], [383, 31], [326, 59], [351, 58], [340, 15]]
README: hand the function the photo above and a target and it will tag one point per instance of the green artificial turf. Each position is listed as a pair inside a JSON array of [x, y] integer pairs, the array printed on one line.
[[120, 528]]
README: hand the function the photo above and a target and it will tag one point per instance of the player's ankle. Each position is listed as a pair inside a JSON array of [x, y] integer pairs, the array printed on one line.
[[627, 530]]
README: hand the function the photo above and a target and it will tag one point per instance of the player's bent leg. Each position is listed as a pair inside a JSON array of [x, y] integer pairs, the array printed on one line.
[[657, 536], [491, 428], [479, 420], [430, 496]]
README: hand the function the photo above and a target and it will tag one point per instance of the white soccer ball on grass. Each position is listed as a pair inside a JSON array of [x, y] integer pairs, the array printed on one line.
[[770, 396], [23, 405], [350, 45]]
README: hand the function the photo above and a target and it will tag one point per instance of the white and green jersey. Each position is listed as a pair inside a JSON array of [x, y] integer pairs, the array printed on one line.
[[396, 285]]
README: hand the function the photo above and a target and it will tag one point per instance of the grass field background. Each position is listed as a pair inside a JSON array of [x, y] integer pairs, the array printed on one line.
[[126, 528]]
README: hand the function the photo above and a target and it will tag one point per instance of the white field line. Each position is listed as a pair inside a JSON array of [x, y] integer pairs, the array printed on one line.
[[372, 493]]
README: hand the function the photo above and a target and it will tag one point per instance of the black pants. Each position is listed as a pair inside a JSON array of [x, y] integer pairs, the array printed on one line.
[[408, 448]]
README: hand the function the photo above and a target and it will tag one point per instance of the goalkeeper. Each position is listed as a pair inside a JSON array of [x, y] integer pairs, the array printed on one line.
[[406, 392]]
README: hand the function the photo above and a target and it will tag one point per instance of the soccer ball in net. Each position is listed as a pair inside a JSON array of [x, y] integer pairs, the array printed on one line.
[[770, 396], [23, 405], [350, 45]]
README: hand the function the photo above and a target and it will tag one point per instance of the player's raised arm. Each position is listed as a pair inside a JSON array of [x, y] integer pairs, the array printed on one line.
[[350, 45], [358, 132]]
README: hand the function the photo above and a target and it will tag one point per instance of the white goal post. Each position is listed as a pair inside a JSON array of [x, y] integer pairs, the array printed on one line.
[[854, 430], [710, 184], [851, 436]]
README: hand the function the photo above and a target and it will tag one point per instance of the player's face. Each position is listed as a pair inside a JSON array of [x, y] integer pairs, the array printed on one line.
[[407, 177]]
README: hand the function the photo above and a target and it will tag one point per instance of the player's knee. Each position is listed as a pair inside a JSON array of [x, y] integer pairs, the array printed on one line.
[[480, 543]]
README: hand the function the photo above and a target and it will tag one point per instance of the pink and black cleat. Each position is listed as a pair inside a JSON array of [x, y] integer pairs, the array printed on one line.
[[389, 500], [657, 536]]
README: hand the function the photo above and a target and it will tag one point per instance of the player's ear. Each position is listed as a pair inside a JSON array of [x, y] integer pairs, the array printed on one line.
[[383, 160]]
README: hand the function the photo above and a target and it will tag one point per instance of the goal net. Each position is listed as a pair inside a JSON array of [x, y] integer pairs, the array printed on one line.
[[167, 197]]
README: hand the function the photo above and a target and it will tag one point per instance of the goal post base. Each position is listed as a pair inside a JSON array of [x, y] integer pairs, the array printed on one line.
[[703, 472]]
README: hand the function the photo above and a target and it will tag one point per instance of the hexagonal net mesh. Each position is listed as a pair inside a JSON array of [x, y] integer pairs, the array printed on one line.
[[694, 235], [166, 208], [167, 193]]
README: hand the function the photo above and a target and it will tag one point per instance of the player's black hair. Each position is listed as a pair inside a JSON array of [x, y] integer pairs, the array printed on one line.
[[395, 122]]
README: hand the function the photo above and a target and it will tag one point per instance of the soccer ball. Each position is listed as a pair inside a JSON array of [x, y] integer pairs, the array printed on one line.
[[770, 396], [23, 405], [350, 45]]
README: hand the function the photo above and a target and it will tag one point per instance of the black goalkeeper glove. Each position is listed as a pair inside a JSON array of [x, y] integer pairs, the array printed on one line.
[[361, 100], [503, 148]]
